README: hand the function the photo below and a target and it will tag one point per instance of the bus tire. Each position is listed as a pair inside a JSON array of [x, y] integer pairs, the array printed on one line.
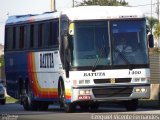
[[68, 107], [28, 103], [131, 105]]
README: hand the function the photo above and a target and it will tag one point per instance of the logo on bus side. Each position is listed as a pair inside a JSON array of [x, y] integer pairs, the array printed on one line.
[[46, 60], [94, 74]]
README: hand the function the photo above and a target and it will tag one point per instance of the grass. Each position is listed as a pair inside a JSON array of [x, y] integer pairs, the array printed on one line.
[[11, 100]]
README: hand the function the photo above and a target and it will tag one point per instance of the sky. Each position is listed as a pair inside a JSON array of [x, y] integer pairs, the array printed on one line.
[[21, 7]]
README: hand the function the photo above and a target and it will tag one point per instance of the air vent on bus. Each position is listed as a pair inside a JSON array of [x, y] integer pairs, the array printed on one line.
[[117, 80], [112, 92]]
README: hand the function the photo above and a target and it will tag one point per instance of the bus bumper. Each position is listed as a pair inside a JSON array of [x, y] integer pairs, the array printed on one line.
[[106, 93]]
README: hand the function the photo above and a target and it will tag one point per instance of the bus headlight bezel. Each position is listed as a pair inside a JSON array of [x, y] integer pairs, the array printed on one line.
[[85, 92], [140, 90]]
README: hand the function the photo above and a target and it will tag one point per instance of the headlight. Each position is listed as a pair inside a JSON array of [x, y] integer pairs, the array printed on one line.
[[84, 92], [81, 92], [140, 89]]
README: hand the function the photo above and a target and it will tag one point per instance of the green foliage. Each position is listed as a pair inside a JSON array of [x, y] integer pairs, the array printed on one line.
[[11, 100], [103, 2], [152, 21], [157, 31], [1, 60]]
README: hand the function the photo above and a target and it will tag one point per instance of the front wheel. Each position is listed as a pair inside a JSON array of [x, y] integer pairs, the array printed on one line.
[[131, 105], [68, 107]]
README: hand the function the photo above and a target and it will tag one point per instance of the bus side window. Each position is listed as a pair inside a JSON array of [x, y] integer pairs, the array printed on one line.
[[40, 34], [53, 33], [31, 36], [8, 38], [14, 37], [45, 35], [17, 37], [21, 38], [35, 36], [25, 37]]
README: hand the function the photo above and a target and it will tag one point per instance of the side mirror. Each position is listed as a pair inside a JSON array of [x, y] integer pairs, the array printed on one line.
[[151, 41], [71, 29]]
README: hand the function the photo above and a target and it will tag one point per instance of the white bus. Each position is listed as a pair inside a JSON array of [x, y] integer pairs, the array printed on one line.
[[80, 56]]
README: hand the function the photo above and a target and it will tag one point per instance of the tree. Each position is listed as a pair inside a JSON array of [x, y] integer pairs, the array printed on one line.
[[152, 22], [157, 31], [103, 2], [1, 60]]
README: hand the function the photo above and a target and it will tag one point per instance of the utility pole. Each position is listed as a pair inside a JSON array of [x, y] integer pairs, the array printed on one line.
[[73, 3], [157, 9], [53, 5], [151, 17]]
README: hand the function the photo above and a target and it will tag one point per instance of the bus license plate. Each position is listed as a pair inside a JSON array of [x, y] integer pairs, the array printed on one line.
[[84, 97]]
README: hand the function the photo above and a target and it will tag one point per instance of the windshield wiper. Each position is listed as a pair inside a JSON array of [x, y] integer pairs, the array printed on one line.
[[98, 58], [131, 66], [122, 56]]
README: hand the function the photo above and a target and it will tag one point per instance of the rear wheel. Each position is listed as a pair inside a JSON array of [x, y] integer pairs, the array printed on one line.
[[28, 103], [68, 107]]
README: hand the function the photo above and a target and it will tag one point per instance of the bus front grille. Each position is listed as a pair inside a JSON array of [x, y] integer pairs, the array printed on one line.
[[112, 92], [117, 80]]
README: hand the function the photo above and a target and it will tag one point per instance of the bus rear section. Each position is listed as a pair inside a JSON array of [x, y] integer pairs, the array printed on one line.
[[32, 59]]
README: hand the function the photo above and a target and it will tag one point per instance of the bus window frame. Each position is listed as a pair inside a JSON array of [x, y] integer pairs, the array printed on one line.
[[30, 36]]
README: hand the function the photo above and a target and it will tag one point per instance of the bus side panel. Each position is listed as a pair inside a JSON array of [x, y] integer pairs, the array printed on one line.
[[43, 76], [15, 69], [43, 81]]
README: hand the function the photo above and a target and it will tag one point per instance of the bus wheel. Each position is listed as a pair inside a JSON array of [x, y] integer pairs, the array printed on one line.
[[131, 105], [68, 107], [28, 103]]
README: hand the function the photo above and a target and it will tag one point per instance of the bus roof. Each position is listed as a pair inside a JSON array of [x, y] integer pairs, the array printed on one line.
[[102, 12], [81, 13], [32, 18]]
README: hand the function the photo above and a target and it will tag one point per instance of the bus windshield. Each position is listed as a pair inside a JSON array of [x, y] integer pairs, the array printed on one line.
[[100, 43], [91, 43], [129, 42]]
